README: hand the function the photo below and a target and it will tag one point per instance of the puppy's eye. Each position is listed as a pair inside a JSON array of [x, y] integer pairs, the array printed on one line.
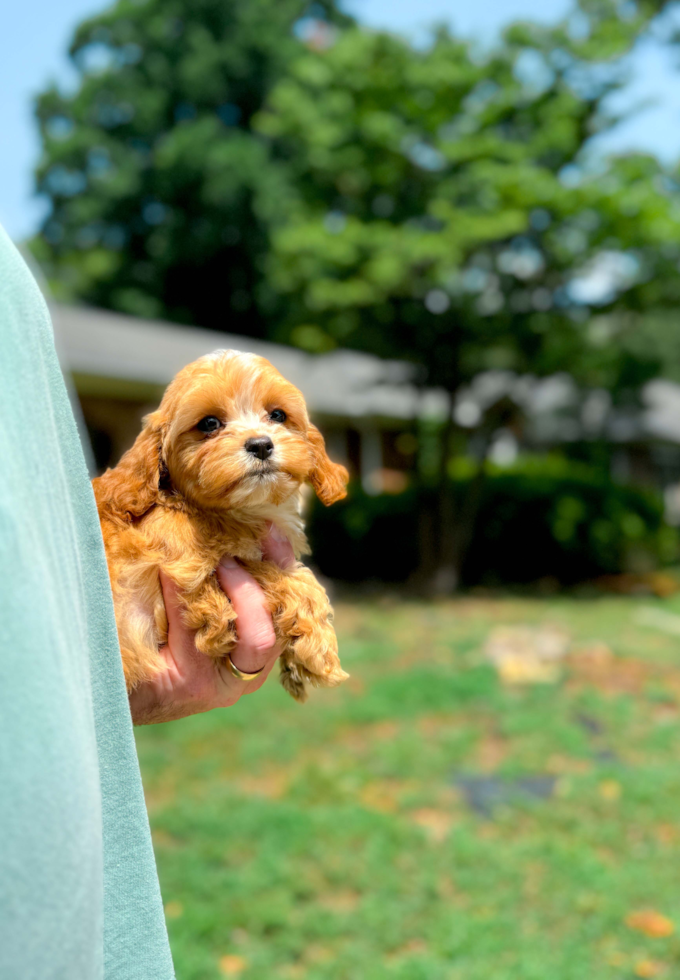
[[278, 415], [209, 424]]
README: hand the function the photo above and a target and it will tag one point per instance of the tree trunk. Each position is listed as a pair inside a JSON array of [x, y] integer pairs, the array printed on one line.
[[445, 577], [434, 512], [454, 525]]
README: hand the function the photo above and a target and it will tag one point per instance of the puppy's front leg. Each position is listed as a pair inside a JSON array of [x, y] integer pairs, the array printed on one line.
[[208, 611], [303, 620]]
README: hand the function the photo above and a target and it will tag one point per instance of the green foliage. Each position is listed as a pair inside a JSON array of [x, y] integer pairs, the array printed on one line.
[[331, 841], [161, 194], [442, 208], [425, 204], [429, 204], [538, 518]]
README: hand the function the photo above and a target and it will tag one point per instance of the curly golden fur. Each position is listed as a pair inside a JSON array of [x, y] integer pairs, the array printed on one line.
[[225, 455]]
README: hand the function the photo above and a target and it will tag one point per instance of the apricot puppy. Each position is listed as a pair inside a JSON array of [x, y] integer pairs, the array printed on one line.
[[226, 452]]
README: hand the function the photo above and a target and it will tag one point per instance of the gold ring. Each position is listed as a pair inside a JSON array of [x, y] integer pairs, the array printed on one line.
[[241, 674]]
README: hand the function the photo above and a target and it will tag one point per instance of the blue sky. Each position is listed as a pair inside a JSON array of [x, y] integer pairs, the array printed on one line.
[[35, 36]]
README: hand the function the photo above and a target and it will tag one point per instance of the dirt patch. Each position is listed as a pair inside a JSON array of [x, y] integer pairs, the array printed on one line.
[[271, 785], [385, 795], [414, 947], [595, 665], [491, 752], [339, 901], [359, 738]]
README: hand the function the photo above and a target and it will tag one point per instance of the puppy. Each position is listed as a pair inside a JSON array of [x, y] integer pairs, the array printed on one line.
[[225, 454]]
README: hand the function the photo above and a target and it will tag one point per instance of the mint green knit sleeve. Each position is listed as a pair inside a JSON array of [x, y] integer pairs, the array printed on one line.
[[79, 894]]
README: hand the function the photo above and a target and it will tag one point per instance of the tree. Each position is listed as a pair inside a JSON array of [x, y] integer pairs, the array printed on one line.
[[161, 195], [442, 208], [351, 190]]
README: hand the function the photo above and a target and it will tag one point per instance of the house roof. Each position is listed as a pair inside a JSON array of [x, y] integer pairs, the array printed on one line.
[[661, 417], [123, 356], [557, 411], [109, 353]]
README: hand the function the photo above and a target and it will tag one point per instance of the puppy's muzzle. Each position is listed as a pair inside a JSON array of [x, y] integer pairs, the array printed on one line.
[[261, 447]]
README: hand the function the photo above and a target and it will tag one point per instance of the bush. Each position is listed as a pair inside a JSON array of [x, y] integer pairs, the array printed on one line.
[[541, 517]]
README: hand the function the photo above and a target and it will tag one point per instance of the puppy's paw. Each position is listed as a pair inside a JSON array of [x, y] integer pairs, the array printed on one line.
[[212, 617], [312, 656], [303, 620], [296, 678], [293, 677]]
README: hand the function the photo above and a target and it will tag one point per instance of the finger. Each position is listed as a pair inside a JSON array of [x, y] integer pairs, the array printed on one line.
[[256, 637], [173, 609], [251, 687], [183, 659], [277, 548]]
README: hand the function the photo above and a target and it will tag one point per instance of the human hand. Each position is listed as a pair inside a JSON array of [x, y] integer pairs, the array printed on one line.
[[192, 682]]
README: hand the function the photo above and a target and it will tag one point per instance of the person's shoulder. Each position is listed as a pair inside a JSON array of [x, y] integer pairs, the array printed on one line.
[[21, 301], [25, 323]]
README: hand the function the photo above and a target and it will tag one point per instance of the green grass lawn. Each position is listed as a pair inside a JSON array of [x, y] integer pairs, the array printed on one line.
[[334, 841]]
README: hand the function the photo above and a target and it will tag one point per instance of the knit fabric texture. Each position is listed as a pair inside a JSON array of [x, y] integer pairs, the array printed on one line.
[[79, 894]]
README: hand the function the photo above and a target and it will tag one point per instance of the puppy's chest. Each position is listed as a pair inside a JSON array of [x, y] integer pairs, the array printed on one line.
[[208, 538], [213, 541]]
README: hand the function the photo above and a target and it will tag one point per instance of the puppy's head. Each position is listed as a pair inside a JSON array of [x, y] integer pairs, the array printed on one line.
[[229, 432]]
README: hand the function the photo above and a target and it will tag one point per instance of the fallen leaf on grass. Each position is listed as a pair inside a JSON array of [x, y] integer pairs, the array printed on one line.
[[161, 838], [271, 785], [592, 658], [650, 923], [385, 730], [597, 666], [436, 823], [382, 795], [173, 910], [491, 751], [232, 966], [340, 901], [562, 765], [293, 971], [414, 947], [447, 891], [317, 953], [355, 685], [666, 833], [610, 790], [648, 968]]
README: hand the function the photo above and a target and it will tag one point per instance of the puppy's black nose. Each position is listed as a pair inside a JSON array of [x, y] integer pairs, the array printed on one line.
[[262, 447]]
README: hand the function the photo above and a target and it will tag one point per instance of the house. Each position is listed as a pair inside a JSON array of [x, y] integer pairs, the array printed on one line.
[[643, 439], [367, 407]]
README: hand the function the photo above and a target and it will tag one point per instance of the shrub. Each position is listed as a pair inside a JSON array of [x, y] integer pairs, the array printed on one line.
[[544, 516]]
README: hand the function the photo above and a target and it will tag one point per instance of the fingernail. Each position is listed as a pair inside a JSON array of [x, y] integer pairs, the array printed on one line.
[[228, 562], [276, 534]]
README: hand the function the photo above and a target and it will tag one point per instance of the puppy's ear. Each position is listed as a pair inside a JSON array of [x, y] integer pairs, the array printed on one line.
[[328, 479], [127, 492]]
